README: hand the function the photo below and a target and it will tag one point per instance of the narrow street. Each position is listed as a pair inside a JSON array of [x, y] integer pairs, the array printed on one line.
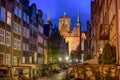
[[57, 76]]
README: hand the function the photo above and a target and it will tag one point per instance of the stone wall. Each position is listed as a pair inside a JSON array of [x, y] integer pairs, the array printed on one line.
[[97, 72]]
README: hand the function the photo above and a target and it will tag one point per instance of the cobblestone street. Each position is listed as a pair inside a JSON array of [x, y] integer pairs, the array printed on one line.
[[58, 76]]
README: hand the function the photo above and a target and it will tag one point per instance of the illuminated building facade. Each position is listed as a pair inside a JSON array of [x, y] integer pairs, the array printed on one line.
[[105, 26], [72, 37]]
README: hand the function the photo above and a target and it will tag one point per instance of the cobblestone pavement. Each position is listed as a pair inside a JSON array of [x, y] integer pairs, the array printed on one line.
[[57, 76]]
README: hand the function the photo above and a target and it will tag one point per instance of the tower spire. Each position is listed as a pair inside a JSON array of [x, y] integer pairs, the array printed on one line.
[[48, 17], [78, 18], [64, 17], [64, 14]]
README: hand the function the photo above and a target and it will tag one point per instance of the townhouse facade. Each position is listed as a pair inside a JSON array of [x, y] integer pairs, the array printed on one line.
[[21, 38], [6, 18], [105, 25], [88, 41]]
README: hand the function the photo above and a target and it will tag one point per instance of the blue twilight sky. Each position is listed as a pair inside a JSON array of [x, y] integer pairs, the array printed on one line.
[[56, 9]]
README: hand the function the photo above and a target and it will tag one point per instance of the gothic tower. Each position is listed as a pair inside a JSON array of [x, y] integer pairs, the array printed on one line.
[[71, 36], [64, 25]]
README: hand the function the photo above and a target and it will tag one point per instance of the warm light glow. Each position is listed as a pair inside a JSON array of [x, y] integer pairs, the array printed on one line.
[[60, 59], [76, 60], [70, 60], [83, 36], [67, 58]]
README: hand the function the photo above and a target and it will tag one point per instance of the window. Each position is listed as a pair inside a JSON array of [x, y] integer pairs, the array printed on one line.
[[28, 19], [17, 0], [30, 59], [27, 47], [17, 28], [8, 38], [8, 60], [38, 49], [2, 14], [19, 44], [17, 11], [23, 60], [14, 60], [2, 36], [27, 34], [8, 18], [15, 43], [24, 16], [24, 31], [40, 39], [24, 46], [45, 42], [40, 29]]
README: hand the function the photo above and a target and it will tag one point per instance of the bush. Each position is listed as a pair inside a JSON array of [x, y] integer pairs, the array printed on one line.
[[71, 76], [108, 55]]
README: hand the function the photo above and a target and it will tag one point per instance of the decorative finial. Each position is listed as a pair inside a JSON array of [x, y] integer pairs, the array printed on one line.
[[65, 13], [78, 18]]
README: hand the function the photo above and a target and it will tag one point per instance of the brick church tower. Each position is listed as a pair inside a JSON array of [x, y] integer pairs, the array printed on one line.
[[71, 36]]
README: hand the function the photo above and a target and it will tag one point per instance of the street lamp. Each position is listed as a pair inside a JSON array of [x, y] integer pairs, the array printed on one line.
[[67, 58], [60, 59], [76, 60]]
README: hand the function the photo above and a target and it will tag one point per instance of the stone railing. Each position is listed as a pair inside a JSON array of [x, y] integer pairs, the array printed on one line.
[[97, 72]]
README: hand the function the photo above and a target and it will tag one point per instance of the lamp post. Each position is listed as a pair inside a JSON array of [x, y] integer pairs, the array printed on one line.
[[67, 58]]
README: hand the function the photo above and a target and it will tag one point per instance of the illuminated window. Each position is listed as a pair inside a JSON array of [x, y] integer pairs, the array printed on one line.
[[2, 14], [30, 59], [15, 43], [8, 18], [8, 60], [2, 36], [14, 60], [18, 44], [23, 60], [8, 38]]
